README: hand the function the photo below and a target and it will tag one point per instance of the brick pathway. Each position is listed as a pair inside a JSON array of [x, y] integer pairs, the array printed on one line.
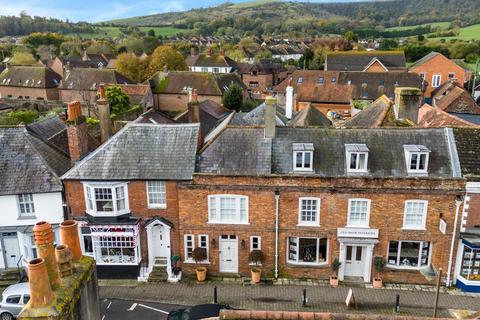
[[288, 297]]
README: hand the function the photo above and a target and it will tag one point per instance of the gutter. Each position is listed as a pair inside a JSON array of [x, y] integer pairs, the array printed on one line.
[[277, 200], [458, 203]]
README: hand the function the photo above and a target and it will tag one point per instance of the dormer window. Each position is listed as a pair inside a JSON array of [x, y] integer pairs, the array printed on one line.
[[416, 158], [320, 80], [357, 157], [302, 157], [334, 79], [300, 80], [106, 199]]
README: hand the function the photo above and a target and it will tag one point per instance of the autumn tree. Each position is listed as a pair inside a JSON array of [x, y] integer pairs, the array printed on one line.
[[133, 67], [166, 56]]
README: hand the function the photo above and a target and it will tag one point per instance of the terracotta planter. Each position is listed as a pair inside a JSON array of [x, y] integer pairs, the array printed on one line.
[[256, 275], [377, 283], [201, 274], [334, 281]]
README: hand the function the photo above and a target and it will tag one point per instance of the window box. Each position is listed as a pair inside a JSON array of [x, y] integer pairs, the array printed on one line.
[[228, 209], [106, 199], [309, 212]]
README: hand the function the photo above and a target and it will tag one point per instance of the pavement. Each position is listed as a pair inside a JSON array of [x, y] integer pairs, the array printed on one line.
[[288, 297], [112, 309]]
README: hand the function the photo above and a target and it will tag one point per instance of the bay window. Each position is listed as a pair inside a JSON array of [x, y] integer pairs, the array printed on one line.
[[231, 209], [303, 250], [106, 199], [470, 267], [409, 254]]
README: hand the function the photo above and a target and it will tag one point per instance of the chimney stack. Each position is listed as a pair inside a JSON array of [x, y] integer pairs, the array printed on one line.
[[41, 294], [104, 115], [44, 239], [194, 108], [289, 100], [270, 117], [69, 237], [407, 103], [193, 51], [76, 131], [222, 52], [209, 51]]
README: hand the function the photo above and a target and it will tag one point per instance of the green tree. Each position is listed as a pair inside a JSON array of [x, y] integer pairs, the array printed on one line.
[[166, 56], [351, 36], [118, 100], [233, 97], [135, 45], [151, 33], [318, 59], [99, 47], [39, 38], [133, 67], [22, 57]]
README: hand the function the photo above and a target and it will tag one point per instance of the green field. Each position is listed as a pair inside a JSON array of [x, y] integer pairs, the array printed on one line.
[[442, 25], [113, 32], [468, 33]]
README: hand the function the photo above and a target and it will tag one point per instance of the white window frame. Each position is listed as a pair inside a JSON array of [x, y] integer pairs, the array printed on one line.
[[197, 241], [185, 247], [216, 198], [367, 223], [398, 266], [436, 84], [157, 205], [452, 74], [27, 203], [297, 262], [207, 246], [358, 149], [90, 201], [303, 168], [259, 242], [317, 213], [424, 218], [418, 150]]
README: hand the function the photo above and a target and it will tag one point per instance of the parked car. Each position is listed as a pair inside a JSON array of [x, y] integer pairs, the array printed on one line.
[[201, 311], [14, 298]]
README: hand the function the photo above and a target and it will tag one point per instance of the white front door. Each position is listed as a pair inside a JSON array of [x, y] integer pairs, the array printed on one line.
[[354, 261], [228, 251], [161, 243], [11, 249]]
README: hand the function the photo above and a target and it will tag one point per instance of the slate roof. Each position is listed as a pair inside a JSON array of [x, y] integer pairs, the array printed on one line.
[[28, 165], [214, 60], [155, 117], [467, 141], [142, 151], [29, 77], [51, 130], [245, 151], [431, 117], [358, 60], [310, 117], [206, 83], [256, 117], [211, 113], [91, 78]]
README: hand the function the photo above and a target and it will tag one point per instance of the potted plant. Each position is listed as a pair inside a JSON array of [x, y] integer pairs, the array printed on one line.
[[256, 257], [199, 255], [334, 278], [379, 264]]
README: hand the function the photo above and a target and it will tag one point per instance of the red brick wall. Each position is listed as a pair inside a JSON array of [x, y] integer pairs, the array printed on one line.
[[386, 214], [375, 67], [473, 211], [32, 93], [443, 66], [137, 198]]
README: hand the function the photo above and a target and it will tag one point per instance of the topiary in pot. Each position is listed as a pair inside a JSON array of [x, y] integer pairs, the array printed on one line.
[[199, 255], [256, 257], [335, 267], [379, 264]]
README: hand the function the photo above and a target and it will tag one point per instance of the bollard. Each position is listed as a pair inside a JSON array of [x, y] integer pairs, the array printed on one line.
[[215, 297], [397, 304], [304, 297]]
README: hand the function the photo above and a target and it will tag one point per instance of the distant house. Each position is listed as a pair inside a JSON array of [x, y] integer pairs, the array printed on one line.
[[82, 83], [262, 76], [30, 191], [431, 117], [286, 53], [210, 62], [436, 69], [366, 61], [451, 97], [171, 90], [29, 82]]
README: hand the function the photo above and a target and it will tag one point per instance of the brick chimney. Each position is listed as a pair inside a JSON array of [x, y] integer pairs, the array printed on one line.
[[270, 116], [76, 131], [104, 115], [41, 294], [194, 115], [289, 100], [407, 103], [209, 51], [44, 240]]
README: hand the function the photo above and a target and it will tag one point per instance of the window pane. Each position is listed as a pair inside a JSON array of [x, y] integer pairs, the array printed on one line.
[[413, 161], [307, 250], [353, 161], [156, 193], [213, 210], [309, 209], [362, 165], [88, 244], [421, 165], [292, 249], [13, 299], [308, 160], [299, 160], [414, 213], [103, 199], [393, 252], [227, 209], [409, 252], [358, 212], [323, 250], [349, 253]]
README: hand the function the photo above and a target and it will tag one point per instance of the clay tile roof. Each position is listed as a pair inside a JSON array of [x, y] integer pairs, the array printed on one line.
[[358, 60], [30, 77], [431, 117], [452, 98]]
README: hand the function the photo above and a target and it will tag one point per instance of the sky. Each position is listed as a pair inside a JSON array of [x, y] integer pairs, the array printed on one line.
[[102, 10]]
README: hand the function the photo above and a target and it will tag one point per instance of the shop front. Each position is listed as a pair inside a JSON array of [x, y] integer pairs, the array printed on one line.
[[468, 275]]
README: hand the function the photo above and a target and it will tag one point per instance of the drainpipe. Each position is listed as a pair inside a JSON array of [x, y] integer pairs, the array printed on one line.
[[458, 203], [277, 200]]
